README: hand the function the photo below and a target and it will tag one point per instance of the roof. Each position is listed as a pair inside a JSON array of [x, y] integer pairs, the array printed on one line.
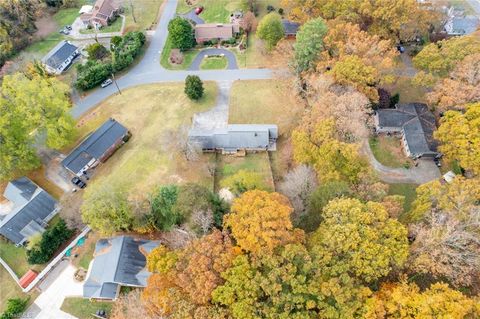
[[86, 9], [118, 261], [216, 31], [95, 145], [27, 278], [61, 52], [32, 205], [103, 9], [465, 25], [290, 27], [417, 123], [237, 136]]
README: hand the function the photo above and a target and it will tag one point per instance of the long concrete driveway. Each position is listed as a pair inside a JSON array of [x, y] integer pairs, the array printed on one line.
[[149, 70]]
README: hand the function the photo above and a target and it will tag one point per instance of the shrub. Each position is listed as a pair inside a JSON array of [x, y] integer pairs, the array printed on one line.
[[51, 240], [180, 32], [394, 100], [193, 87], [270, 8], [280, 11], [96, 51], [92, 74], [243, 181], [15, 308], [162, 207]]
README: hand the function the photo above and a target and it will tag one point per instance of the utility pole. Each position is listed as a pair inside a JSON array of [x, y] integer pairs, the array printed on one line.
[[133, 13], [116, 84]]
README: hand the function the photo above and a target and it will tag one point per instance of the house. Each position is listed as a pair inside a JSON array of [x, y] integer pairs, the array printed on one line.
[[118, 261], [215, 31], [458, 24], [415, 124], [29, 209], [237, 137], [97, 147], [103, 13], [60, 57], [290, 28]]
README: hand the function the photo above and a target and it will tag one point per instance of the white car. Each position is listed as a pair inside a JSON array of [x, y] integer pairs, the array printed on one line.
[[106, 83]]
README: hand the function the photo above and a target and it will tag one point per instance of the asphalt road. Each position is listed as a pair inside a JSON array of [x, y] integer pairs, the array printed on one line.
[[149, 70], [232, 60]]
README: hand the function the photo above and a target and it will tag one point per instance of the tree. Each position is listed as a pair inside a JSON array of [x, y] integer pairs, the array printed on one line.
[[106, 208], [309, 44], [194, 87], [404, 300], [51, 240], [270, 29], [260, 221], [15, 308], [359, 239], [249, 22], [162, 203], [130, 305], [243, 181], [459, 135], [460, 88], [177, 140], [332, 159], [96, 51], [297, 185], [180, 32]]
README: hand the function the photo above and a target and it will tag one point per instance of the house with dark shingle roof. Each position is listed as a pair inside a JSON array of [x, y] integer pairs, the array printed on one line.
[[215, 31], [290, 28], [103, 13], [31, 208], [415, 124], [118, 261], [97, 147], [60, 57], [236, 137]]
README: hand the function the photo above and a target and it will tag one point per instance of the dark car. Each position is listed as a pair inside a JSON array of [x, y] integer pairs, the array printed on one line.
[[77, 181], [68, 27]]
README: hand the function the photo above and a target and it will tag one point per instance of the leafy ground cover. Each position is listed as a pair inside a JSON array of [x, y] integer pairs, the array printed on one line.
[[388, 151], [214, 63], [84, 308], [146, 13]]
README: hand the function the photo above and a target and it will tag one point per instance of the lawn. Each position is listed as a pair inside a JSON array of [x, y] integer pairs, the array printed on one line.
[[116, 26], [215, 10], [147, 160], [388, 151], [146, 13], [407, 90], [85, 252], [9, 289], [84, 308], [407, 190], [258, 162], [188, 57], [214, 63]]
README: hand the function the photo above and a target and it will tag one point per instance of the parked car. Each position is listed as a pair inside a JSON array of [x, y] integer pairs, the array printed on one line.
[[77, 181], [64, 31], [68, 27], [198, 10], [106, 83]]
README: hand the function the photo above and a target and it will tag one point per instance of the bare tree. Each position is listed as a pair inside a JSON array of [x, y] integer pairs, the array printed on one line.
[[203, 220], [298, 184], [179, 141], [129, 306], [177, 238], [249, 22]]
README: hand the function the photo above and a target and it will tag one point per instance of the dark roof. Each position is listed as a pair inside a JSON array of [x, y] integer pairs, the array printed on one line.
[[95, 145], [27, 217], [118, 261], [20, 190], [417, 123], [59, 54], [290, 27]]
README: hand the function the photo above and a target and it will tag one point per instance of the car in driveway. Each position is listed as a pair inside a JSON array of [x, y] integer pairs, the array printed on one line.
[[106, 83], [78, 182]]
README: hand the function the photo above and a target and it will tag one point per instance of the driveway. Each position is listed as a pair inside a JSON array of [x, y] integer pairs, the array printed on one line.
[[231, 59], [218, 116], [426, 170], [58, 285], [191, 15]]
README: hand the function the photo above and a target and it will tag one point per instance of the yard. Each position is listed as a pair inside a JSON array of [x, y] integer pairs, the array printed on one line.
[[149, 159], [214, 63], [230, 165], [84, 308], [146, 13], [85, 252], [116, 26], [406, 190], [407, 90], [389, 152], [188, 57], [9, 289], [214, 10]]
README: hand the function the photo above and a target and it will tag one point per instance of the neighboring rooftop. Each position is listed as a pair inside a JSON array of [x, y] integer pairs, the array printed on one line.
[[118, 261], [102, 10], [290, 27], [32, 209], [95, 145], [216, 31], [465, 25], [59, 54]]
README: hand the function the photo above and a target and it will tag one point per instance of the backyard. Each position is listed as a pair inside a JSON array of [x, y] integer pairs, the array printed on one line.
[[389, 152], [406, 190], [145, 12], [10, 289], [84, 308]]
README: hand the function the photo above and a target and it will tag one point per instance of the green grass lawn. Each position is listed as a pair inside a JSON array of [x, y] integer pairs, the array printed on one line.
[[188, 57], [258, 163], [407, 190], [146, 13], [147, 160], [66, 16], [116, 26], [214, 63], [85, 252], [215, 10], [388, 151], [84, 308], [10, 289]]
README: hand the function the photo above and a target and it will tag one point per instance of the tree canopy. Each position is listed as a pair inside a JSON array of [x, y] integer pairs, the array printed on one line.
[[181, 34], [270, 29], [309, 44]]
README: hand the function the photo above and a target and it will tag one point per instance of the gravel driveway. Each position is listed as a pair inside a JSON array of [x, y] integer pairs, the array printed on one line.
[[218, 116]]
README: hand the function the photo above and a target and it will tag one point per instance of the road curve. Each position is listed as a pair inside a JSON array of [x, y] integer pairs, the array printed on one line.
[[232, 60]]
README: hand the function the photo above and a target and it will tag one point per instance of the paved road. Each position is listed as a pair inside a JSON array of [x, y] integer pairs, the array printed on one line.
[[232, 60], [149, 70], [191, 15]]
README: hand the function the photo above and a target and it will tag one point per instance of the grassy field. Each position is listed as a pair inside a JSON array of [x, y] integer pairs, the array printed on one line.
[[145, 11], [215, 10], [407, 190], [149, 112], [229, 165], [188, 57], [214, 63], [84, 308], [388, 151], [116, 26]]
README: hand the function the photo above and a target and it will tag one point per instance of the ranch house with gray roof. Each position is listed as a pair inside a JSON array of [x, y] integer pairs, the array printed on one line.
[[60, 57]]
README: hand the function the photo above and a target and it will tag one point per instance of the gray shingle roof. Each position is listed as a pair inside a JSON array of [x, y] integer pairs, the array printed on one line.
[[118, 261], [61, 52], [95, 145], [31, 208], [417, 123], [290, 27], [465, 25]]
